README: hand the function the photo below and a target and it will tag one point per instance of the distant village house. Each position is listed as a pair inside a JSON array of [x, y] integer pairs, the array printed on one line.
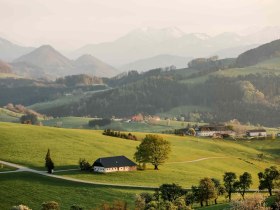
[[213, 130], [114, 164], [256, 133]]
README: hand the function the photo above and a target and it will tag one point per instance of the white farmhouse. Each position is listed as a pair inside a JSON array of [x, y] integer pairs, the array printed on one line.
[[256, 133], [113, 164]]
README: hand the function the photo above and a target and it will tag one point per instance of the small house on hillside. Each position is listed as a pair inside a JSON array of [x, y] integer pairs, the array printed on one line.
[[256, 133], [213, 130], [113, 164]]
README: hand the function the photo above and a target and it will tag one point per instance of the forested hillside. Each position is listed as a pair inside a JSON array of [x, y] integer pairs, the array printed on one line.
[[249, 94]]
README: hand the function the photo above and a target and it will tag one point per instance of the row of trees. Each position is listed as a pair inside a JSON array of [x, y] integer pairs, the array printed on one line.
[[209, 189], [109, 132]]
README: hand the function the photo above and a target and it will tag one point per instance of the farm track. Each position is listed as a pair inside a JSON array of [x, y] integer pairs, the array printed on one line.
[[21, 168]]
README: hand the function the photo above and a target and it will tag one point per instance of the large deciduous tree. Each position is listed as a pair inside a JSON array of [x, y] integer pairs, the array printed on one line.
[[153, 149], [267, 178], [229, 180]]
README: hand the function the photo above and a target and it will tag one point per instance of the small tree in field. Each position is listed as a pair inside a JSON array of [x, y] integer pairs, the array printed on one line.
[[153, 149], [220, 190], [229, 180], [267, 178], [243, 184], [208, 191], [49, 163]]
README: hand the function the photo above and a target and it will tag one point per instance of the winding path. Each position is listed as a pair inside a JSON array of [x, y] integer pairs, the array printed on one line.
[[21, 168]]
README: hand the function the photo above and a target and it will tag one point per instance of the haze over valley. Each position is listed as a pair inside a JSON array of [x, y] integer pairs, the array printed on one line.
[[140, 105]]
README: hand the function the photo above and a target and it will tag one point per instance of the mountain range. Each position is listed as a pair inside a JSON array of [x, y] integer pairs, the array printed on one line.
[[141, 49], [10, 51], [45, 61], [150, 42]]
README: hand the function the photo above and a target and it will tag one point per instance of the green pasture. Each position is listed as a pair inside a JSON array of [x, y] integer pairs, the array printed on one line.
[[27, 145], [32, 190]]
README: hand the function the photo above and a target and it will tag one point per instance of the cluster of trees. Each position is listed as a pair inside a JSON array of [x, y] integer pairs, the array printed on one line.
[[84, 165], [211, 64], [99, 122], [109, 132], [29, 119], [79, 80], [28, 92], [168, 196], [153, 149], [173, 196]]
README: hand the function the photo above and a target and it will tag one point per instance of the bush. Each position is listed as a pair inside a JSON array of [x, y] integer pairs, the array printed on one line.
[[50, 205], [76, 207], [257, 202], [20, 207], [84, 165]]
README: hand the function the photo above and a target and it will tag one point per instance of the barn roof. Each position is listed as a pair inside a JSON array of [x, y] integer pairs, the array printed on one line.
[[116, 161]]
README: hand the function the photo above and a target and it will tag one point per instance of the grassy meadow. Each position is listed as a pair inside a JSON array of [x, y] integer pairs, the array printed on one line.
[[30, 144], [32, 190]]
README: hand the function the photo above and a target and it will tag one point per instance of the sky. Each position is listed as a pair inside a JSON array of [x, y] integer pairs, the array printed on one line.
[[71, 24]]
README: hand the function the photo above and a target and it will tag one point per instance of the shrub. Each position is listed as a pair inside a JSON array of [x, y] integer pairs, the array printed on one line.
[[76, 207], [20, 207], [50, 205], [257, 202], [84, 165]]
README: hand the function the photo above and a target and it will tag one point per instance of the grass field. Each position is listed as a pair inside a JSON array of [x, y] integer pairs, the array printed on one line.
[[9, 116], [68, 145], [6, 168], [32, 190]]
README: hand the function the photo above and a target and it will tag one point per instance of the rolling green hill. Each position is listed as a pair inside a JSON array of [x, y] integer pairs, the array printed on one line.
[[68, 145]]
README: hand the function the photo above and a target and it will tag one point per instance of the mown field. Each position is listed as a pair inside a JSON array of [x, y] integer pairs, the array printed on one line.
[[30, 144]]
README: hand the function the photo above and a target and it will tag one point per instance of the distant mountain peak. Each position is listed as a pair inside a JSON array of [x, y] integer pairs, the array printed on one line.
[[92, 65]]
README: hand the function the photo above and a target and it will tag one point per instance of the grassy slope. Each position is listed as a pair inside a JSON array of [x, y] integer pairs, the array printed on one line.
[[82, 122], [30, 143], [265, 67], [9, 116], [32, 190]]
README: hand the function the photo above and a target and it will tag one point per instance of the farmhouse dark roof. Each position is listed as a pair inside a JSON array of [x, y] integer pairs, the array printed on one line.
[[256, 130], [116, 161]]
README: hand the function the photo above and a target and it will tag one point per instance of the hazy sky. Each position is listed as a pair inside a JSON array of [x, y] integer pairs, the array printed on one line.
[[69, 24]]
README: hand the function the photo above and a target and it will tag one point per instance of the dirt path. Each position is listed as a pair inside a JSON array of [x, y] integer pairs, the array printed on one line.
[[44, 173], [197, 160]]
